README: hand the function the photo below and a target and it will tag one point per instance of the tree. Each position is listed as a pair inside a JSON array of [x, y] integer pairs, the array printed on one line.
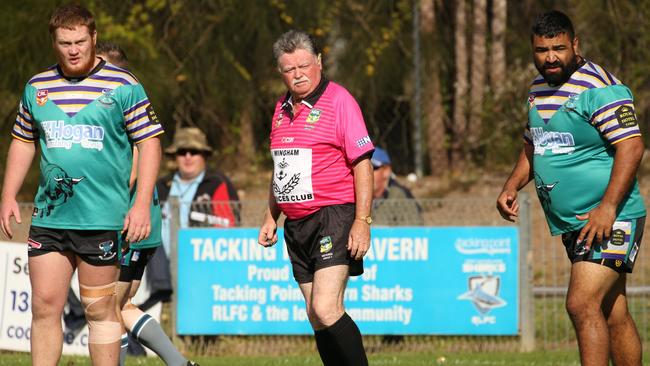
[[461, 86]]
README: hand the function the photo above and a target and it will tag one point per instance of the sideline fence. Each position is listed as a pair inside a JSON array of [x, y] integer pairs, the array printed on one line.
[[545, 325]]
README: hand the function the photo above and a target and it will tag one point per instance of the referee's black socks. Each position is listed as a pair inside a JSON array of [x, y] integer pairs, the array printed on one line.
[[341, 344]]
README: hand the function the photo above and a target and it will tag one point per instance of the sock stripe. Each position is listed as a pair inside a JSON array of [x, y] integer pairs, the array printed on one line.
[[124, 341], [137, 328]]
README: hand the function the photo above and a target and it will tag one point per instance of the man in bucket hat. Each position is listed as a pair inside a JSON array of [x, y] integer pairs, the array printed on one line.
[[204, 195]]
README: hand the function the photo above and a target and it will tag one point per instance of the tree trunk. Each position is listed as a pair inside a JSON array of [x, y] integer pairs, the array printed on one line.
[[479, 72], [246, 144], [433, 108], [498, 47], [460, 88]]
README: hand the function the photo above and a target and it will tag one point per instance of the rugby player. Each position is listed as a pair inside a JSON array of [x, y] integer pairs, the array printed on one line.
[[582, 147], [85, 115], [135, 257]]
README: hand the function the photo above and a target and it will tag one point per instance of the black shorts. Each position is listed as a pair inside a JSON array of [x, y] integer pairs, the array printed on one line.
[[320, 240], [618, 252], [96, 247], [133, 262]]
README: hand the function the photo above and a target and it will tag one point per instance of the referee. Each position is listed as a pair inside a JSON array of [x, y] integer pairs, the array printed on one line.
[[322, 181]]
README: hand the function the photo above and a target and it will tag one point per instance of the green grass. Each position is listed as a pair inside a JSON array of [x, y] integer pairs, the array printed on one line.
[[497, 358]]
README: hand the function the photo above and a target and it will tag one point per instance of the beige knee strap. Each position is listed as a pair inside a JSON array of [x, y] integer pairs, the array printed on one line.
[[100, 331]]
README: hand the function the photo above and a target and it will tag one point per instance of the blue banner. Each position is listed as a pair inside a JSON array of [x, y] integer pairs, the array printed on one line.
[[417, 280]]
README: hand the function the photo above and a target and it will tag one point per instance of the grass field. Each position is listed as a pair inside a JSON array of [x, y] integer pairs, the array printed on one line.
[[555, 358]]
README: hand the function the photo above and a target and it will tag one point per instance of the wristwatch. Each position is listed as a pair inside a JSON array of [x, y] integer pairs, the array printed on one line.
[[366, 219]]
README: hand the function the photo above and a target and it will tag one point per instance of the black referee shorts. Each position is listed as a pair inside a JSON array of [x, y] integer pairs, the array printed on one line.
[[320, 240]]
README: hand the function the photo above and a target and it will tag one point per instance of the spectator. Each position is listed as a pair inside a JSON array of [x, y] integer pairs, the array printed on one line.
[[393, 203], [205, 196]]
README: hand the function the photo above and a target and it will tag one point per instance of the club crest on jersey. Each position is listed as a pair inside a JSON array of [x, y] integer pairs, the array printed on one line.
[[312, 118], [278, 121], [531, 101], [106, 99], [41, 97]]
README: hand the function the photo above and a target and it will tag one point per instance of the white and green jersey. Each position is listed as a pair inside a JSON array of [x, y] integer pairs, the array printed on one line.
[[573, 128], [85, 129]]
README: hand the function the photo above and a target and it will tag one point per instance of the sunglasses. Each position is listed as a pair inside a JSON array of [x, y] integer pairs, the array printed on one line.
[[183, 152]]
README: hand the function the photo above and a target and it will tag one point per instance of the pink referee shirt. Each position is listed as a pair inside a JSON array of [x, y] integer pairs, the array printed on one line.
[[313, 152]]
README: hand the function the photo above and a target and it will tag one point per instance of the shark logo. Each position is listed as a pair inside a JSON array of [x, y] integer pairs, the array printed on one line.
[[544, 191], [106, 250], [483, 293], [58, 187]]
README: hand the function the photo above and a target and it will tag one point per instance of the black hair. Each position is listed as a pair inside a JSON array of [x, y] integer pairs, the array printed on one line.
[[551, 24]]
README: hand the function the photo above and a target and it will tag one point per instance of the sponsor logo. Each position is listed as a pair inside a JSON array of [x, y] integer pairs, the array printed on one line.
[[106, 250], [33, 244], [635, 249], [59, 187], [41, 97], [363, 141], [531, 101], [58, 134], [483, 246], [625, 116], [135, 256], [484, 266], [326, 244], [556, 142], [287, 140], [618, 237], [153, 117], [483, 292]]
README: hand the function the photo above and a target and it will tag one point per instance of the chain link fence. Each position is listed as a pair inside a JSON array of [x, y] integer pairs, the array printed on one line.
[[549, 274]]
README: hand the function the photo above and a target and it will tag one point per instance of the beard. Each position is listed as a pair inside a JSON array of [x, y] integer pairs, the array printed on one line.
[[559, 78]]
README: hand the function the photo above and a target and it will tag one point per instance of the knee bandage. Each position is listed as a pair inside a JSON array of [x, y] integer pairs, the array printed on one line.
[[98, 303]]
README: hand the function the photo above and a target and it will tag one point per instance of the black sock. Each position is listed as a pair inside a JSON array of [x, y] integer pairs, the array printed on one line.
[[346, 338], [327, 348]]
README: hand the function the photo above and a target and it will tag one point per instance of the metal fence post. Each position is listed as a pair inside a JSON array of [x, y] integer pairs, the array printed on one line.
[[527, 306], [174, 226]]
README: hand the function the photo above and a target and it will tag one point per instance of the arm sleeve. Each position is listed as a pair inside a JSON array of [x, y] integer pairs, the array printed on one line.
[[140, 119], [24, 128], [613, 113], [351, 129]]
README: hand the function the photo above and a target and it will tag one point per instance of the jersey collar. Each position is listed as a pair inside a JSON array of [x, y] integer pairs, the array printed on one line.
[[77, 79], [310, 100]]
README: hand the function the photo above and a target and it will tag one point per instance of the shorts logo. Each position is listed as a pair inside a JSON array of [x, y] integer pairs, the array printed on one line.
[[635, 249], [618, 263], [41, 97], [106, 250], [326, 244], [135, 256], [33, 244]]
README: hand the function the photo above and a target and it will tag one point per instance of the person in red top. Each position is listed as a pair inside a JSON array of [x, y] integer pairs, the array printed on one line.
[[323, 182]]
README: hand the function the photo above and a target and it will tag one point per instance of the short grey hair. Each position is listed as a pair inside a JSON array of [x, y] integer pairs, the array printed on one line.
[[293, 40]]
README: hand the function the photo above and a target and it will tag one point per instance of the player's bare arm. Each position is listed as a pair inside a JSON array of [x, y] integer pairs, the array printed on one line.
[[19, 159], [268, 232], [601, 219], [521, 174], [359, 239], [138, 222]]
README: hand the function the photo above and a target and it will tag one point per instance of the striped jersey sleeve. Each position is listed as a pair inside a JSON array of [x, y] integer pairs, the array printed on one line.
[[140, 118], [613, 113], [23, 128]]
